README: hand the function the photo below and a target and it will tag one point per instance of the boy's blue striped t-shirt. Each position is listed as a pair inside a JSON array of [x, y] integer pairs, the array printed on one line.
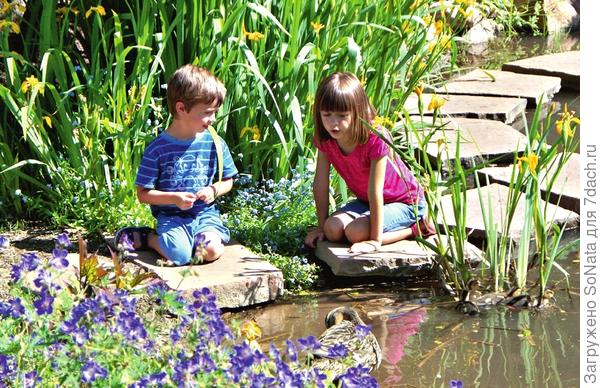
[[171, 164]]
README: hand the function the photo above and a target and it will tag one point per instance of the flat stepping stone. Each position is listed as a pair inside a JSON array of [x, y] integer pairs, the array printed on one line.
[[239, 278], [503, 109], [498, 195], [564, 65], [565, 188], [400, 259], [479, 141], [504, 84]]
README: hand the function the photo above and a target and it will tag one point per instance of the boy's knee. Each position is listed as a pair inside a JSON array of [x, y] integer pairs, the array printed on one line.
[[176, 251], [333, 229], [213, 251]]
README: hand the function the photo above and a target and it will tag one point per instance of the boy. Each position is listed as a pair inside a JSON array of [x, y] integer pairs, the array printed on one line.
[[178, 175]]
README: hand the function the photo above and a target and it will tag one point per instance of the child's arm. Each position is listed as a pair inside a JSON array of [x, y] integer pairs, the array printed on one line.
[[182, 200], [209, 193], [376, 181], [321, 194]]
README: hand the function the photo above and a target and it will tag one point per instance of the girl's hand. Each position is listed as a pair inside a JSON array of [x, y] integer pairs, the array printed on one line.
[[185, 201], [207, 194], [365, 246], [313, 236]]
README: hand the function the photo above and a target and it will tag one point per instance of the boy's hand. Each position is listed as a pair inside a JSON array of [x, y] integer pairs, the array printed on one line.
[[206, 194], [313, 236], [185, 201]]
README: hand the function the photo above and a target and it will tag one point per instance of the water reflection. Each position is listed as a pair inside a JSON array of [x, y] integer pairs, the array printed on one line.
[[429, 345]]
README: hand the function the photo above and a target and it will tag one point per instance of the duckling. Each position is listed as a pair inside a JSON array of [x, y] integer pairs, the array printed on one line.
[[546, 300], [341, 325], [467, 296]]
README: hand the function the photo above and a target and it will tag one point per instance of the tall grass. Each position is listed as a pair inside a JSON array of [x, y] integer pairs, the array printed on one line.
[[83, 87]]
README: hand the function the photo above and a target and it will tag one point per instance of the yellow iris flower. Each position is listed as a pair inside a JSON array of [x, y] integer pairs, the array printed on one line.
[[253, 130], [531, 160], [435, 102], [99, 10], [317, 27]]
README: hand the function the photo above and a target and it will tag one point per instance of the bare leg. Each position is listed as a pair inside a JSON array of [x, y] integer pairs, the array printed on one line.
[[335, 225], [154, 244], [360, 230], [213, 248]]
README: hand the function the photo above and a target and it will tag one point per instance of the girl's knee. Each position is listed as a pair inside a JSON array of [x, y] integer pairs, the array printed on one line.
[[356, 232], [333, 229]]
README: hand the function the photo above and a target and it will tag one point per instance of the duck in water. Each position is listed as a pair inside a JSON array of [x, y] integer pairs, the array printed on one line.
[[345, 327]]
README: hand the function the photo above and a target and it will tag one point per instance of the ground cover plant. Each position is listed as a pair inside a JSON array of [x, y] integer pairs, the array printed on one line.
[[54, 333]]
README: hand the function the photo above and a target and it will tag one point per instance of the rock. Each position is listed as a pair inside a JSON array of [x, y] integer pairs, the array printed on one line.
[[238, 279], [504, 109], [481, 32], [564, 65], [565, 190], [504, 84], [402, 258], [498, 195]]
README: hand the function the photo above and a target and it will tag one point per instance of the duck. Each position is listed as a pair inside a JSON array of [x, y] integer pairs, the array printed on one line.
[[547, 299], [341, 323], [468, 295]]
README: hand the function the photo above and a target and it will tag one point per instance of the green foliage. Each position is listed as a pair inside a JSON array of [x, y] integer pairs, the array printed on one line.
[[271, 217], [83, 86]]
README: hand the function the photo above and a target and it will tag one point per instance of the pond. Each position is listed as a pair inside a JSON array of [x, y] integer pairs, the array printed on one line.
[[425, 341]]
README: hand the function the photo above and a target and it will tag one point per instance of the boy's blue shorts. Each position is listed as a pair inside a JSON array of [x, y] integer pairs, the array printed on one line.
[[176, 235], [396, 215]]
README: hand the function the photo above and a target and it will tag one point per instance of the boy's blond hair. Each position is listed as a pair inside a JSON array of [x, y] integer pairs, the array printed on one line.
[[191, 85]]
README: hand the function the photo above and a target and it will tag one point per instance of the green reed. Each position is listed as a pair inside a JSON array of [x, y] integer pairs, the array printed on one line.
[[84, 90]]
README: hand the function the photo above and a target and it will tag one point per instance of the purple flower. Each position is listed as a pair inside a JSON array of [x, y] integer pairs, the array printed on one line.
[[8, 365], [4, 242], [455, 384], [43, 305], [362, 331], [31, 379], [290, 349], [62, 240], [13, 308], [309, 343], [80, 335], [338, 351], [357, 377], [91, 371], [131, 326], [125, 243], [29, 262], [59, 258]]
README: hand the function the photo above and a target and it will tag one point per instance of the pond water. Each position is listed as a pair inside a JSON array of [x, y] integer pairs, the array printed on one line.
[[425, 341]]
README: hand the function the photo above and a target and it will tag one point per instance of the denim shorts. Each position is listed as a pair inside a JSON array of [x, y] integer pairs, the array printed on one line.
[[176, 235], [396, 215]]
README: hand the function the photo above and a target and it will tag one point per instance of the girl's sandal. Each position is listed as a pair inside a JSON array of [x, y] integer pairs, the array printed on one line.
[[130, 231]]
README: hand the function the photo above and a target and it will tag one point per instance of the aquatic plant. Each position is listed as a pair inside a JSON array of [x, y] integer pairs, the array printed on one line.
[[52, 335]]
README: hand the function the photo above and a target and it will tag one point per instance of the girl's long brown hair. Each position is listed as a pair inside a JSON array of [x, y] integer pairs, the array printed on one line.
[[342, 92]]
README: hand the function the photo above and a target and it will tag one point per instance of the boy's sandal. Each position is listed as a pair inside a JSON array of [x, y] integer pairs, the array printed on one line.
[[423, 228], [130, 231]]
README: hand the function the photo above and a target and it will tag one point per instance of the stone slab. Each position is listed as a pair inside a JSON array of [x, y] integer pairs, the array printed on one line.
[[504, 84], [400, 259], [564, 65], [479, 141], [498, 195], [503, 109], [565, 190], [239, 278]]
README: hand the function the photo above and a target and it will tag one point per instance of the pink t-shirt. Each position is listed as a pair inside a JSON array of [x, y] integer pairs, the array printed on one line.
[[356, 167]]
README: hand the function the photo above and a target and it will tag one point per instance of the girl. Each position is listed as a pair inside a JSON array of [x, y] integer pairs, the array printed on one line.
[[390, 204]]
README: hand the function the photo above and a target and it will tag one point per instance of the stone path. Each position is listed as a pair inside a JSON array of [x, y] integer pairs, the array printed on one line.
[[400, 259], [565, 191], [498, 195], [504, 84], [238, 279], [479, 141], [489, 103], [565, 65], [503, 109]]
